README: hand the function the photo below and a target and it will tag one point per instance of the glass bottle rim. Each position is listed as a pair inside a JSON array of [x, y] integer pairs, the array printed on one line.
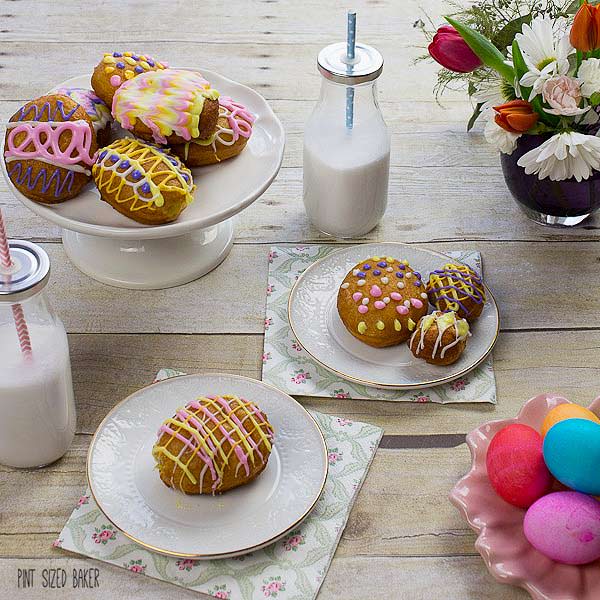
[[30, 273]]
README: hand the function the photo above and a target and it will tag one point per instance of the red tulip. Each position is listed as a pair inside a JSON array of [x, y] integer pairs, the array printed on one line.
[[585, 31], [452, 52], [516, 116]]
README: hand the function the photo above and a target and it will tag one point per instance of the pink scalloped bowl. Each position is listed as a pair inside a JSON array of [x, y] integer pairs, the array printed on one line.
[[508, 555]]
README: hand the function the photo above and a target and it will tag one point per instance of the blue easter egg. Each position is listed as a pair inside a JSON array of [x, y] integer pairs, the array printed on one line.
[[572, 454]]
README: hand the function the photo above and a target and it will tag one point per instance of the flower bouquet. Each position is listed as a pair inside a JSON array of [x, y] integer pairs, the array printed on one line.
[[539, 96]]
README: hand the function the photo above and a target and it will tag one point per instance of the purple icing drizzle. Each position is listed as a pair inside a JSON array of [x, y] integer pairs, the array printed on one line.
[[42, 177]]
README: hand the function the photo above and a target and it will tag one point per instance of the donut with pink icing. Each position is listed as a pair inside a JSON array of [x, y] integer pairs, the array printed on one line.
[[381, 300], [233, 131], [50, 148], [173, 106], [116, 68]]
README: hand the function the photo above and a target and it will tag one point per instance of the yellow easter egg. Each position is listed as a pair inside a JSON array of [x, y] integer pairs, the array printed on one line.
[[566, 411]]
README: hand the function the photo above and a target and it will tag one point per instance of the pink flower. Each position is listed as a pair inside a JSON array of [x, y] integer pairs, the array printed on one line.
[[268, 323], [459, 385], [563, 94], [334, 456], [136, 568], [266, 356], [422, 399], [343, 422], [272, 255], [83, 500], [296, 346], [293, 542], [222, 595], [185, 565], [270, 289], [57, 543], [452, 52]]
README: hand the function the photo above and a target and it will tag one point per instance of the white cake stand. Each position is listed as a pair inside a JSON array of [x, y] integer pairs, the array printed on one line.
[[118, 251]]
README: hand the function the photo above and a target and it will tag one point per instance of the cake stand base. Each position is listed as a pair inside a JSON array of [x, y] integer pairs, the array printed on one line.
[[150, 264]]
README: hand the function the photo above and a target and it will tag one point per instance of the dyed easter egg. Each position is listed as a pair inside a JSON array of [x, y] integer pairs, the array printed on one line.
[[572, 453], [567, 411], [565, 526], [515, 465]]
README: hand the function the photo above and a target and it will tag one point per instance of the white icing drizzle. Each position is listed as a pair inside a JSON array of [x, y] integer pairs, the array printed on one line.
[[443, 322], [54, 163]]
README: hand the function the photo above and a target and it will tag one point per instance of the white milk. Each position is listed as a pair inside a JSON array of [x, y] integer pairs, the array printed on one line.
[[37, 408], [345, 191]]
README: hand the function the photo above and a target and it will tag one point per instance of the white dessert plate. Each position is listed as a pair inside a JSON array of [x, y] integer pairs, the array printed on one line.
[[129, 491], [315, 323], [223, 189]]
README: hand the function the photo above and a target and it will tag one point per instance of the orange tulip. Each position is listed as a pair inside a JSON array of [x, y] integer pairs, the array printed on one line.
[[585, 31], [516, 116]]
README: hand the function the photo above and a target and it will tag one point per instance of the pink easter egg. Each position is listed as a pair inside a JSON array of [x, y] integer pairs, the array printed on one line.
[[565, 526], [516, 467]]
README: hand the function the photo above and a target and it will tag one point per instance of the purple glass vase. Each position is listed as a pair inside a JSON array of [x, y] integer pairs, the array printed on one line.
[[555, 203]]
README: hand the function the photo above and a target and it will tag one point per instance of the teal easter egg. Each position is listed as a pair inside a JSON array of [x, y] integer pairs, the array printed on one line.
[[572, 454]]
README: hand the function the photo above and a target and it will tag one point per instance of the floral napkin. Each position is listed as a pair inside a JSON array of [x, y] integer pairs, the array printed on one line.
[[287, 366], [292, 568]]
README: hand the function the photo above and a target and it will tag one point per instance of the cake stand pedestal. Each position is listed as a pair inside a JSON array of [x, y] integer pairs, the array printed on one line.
[[150, 264]]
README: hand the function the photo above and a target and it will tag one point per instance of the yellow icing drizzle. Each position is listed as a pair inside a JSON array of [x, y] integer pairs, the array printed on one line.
[[123, 188]]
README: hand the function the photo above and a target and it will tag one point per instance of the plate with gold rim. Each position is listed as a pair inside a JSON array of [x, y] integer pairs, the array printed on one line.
[[316, 325], [127, 487]]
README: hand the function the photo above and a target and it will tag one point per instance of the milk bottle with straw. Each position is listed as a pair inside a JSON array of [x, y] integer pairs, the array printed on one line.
[[37, 407], [346, 142]]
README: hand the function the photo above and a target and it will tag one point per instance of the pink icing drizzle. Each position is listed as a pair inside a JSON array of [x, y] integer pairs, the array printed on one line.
[[78, 150], [240, 118]]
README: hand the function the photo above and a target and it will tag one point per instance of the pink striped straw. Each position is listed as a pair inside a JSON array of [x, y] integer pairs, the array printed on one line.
[[17, 309]]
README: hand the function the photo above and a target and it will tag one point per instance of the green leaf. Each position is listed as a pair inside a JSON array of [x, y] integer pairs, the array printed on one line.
[[520, 68], [595, 99], [474, 116], [484, 49], [506, 35]]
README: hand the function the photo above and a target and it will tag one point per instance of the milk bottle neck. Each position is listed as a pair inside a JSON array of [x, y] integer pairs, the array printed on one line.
[[334, 96]]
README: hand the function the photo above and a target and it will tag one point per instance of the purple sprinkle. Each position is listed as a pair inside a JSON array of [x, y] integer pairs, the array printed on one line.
[[139, 69], [400, 275], [417, 283], [361, 275], [185, 176], [120, 65], [125, 164], [376, 272], [136, 175], [417, 274], [402, 267], [173, 161], [150, 62], [382, 264], [117, 54], [135, 57], [366, 267], [146, 188], [113, 158], [102, 154]]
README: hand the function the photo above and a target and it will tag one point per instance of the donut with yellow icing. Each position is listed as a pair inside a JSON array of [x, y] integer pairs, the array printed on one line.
[[459, 288], [213, 444], [170, 107], [50, 148], [233, 131], [381, 300], [143, 182], [117, 67], [440, 338]]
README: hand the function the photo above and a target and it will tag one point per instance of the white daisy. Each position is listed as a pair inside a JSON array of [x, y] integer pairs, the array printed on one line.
[[546, 48], [564, 155], [502, 140], [493, 91], [589, 76]]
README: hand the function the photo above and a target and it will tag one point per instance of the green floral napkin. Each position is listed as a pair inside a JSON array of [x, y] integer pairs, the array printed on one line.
[[292, 568], [288, 367]]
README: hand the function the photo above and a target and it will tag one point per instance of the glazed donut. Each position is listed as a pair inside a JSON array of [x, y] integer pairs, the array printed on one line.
[[143, 182], [381, 300], [234, 129], [169, 107], [117, 67], [49, 149], [96, 109], [213, 444], [457, 287], [440, 338]]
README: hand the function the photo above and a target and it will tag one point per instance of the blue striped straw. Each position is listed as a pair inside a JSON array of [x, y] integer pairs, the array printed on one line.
[[350, 47]]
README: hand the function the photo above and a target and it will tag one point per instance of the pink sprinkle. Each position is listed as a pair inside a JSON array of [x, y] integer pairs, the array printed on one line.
[[402, 310], [115, 80], [396, 296], [375, 291], [416, 303], [356, 296], [363, 308], [380, 305]]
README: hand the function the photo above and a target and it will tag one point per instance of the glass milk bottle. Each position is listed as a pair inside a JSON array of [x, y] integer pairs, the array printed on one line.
[[347, 145], [37, 407]]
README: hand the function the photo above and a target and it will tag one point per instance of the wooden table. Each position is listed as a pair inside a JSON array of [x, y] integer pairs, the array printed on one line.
[[403, 540]]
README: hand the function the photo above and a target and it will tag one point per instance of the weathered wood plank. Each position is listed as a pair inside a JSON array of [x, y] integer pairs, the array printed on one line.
[[519, 274]]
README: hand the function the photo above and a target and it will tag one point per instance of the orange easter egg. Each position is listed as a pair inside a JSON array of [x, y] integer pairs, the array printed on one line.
[[567, 411]]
